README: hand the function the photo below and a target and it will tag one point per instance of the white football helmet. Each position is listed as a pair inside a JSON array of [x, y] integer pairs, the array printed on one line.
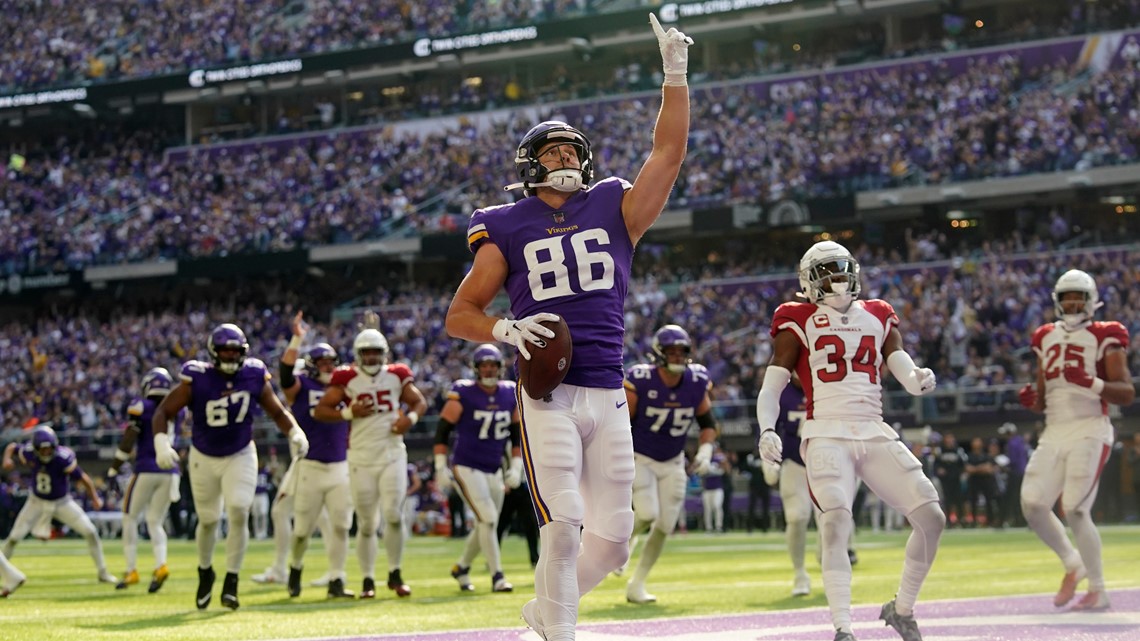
[[820, 263], [1076, 280], [367, 340]]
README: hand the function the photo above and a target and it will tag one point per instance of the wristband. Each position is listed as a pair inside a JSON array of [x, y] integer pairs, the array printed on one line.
[[676, 80], [120, 455], [1097, 386], [413, 417], [294, 343], [346, 413]]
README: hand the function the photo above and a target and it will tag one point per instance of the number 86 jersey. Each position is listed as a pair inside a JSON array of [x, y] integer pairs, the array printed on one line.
[[840, 365]]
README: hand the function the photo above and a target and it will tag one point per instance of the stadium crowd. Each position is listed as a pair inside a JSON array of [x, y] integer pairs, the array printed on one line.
[[907, 124]]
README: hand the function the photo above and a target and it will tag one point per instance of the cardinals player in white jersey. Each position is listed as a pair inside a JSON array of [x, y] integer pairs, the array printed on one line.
[[1082, 367], [837, 344], [373, 392]]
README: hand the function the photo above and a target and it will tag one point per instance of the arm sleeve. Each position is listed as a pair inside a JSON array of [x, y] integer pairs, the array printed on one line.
[[443, 431], [768, 400], [706, 420], [286, 372], [516, 434]]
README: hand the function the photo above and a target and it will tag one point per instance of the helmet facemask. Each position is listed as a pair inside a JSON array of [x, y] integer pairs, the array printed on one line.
[[833, 282], [1075, 282], [534, 173], [671, 349], [370, 349], [485, 356]]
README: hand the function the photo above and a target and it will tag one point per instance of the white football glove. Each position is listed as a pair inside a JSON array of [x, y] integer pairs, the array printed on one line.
[[523, 331], [298, 442], [442, 473], [926, 380], [674, 52], [771, 447], [513, 475], [703, 459], [164, 455]]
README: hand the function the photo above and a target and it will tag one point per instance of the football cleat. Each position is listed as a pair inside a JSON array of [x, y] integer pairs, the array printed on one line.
[[294, 582], [397, 585], [270, 575], [459, 573], [533, 617], [205, 587], [321, 581], [1092, 602], [635, 593], [802, 584], [229, 591], [369, 589], [107, 577], [499, 583], [840, 635], [1069, 586], [337, 591], [16, 579], [904, 625], [129, 579], [161, 573]]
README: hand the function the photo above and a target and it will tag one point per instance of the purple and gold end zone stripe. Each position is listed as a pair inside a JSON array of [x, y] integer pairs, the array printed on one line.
[[541, 512]]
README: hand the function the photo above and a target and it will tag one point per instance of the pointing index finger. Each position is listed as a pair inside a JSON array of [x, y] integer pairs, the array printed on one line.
[[656, 26]]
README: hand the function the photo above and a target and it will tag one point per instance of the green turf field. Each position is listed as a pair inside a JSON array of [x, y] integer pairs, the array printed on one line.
[[698, 574]]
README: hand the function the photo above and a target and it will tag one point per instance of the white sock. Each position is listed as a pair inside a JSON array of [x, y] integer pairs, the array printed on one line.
[[654, 544], [928, 523], [557, 562], [835, 527], [796, 535], [489, 542], [206, 535], [131, 542], [282, 534], [237, 538], [1088, 542], [1051, 532], [598, 557], [471, 548], [157, 543], [366, 550], [394, 543], [337, 546]]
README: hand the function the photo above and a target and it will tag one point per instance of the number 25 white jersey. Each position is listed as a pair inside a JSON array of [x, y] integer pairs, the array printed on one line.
[[1074, 412], [370, 438], [840, 364]]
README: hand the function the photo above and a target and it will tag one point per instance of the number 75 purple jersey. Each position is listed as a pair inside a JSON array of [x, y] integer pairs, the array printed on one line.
[[665, 414]]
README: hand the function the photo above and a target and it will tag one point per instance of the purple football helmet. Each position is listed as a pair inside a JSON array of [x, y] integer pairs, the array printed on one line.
[[671, 336], [531, 170], [487, 353], [317, 353], [157, 382], [230, 336], [45, 442]]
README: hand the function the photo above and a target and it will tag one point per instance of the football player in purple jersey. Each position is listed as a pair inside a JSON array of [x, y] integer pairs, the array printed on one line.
[[484, 415], [320, 479], [665, 399], [565, 250], [151, 489], [221, 394], [53, 468]]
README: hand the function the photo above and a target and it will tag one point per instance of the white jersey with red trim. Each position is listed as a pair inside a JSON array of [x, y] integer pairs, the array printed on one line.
[[371, 438], [1073, 412], [840, 365]]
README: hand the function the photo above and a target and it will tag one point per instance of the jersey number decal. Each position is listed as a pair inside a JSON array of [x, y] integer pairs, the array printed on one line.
[[315, 397], [43, 483], [863, 360], [1074, 356], [500, 421], [218, 411], [798, 417], [548, 257], [379, 399], [682, 419]]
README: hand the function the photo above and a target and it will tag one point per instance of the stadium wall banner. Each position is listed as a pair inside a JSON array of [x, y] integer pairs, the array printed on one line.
[[17, 284], [243, 264]]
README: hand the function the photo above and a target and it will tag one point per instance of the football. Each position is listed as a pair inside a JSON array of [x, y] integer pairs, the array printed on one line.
[[547, 365]]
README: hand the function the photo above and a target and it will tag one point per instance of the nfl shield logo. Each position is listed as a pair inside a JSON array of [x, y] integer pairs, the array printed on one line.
[[559, 217]]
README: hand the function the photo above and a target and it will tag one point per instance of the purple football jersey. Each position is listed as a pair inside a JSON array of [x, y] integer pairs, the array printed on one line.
[[793, 413], [665, 414], [51, 480], [484, 428], [328, 442], [223, 406], [140, 412], [573, 261]]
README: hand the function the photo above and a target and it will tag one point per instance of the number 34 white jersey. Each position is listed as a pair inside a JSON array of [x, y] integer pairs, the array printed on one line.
[[840, 365], [1071, 411], [371, 439]]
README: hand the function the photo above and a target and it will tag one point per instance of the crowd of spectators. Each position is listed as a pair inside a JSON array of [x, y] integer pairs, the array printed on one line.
[[838, 133]]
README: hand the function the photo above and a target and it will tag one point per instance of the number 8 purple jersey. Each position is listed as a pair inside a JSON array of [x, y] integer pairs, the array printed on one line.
[[573, 261]]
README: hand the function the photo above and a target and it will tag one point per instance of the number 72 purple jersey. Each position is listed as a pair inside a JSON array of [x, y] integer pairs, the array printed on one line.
[[484, 427]]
